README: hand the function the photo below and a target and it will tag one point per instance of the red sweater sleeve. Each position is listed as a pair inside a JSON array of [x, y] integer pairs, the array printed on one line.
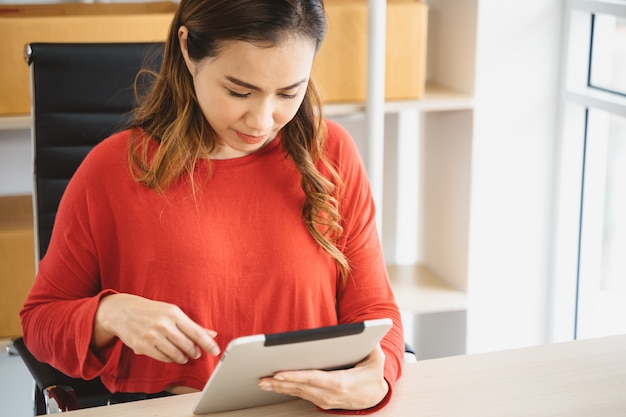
[[57, 318], [367, 293]]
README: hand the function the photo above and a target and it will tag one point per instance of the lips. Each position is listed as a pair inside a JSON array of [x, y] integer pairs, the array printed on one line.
[[252, 140]]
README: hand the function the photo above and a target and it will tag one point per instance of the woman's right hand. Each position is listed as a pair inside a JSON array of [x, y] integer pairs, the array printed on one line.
[[156, 329]]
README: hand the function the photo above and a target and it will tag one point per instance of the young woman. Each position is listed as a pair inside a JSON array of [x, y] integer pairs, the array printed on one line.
[[229, 208]]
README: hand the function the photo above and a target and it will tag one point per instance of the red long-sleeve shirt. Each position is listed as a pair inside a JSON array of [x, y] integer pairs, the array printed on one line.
[[235, 258]]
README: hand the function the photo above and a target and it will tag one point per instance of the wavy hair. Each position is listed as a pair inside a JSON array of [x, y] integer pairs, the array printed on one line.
[[170, 112]]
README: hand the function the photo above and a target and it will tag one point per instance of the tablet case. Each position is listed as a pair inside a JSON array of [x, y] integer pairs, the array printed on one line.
[[234, 383]]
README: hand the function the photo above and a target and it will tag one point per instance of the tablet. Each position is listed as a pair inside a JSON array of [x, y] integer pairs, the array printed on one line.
[[234, 383]]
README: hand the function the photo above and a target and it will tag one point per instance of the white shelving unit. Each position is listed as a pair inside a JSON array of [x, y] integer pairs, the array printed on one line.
[[430, 142], [436, 98], [419, 291]]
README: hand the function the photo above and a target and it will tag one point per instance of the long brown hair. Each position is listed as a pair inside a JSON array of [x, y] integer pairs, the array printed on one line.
[[171, 115]]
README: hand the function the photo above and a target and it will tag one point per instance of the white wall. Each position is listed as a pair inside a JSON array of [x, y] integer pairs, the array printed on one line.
[[15, 163], [513, 167]]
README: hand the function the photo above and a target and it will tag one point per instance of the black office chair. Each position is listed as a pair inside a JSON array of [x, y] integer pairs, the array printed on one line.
[[81, 93]]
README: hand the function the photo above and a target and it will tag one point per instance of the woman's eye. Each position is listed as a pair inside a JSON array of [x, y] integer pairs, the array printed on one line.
[[289, 96], [238, 95]]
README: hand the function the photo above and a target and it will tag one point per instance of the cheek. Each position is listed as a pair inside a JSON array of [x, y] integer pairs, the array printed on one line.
[[217, 110], [287, 111]]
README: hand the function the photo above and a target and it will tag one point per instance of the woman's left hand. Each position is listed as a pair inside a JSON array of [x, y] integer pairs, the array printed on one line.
[[356, 388]]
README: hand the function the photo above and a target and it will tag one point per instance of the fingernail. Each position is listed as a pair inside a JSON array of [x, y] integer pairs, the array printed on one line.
[[215, 351], [265, 386], [279, 377]]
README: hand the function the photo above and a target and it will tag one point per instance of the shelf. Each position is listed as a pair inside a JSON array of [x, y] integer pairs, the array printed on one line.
[[15, 122], [419, 290], [436, 98]]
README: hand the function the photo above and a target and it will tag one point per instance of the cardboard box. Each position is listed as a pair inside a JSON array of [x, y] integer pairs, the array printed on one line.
[[113, 22], [340, 70], [17, 260]]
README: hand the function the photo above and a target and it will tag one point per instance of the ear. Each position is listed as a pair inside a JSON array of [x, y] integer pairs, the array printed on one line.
[[183, 33]]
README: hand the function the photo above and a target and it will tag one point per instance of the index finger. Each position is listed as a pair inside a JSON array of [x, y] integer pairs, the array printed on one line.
[[201, 336]]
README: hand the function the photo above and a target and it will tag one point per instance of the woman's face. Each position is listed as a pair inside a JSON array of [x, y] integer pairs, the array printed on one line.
[[248, 93]]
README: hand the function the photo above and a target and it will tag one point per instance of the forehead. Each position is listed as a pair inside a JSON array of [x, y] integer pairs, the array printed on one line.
[[288, 61]]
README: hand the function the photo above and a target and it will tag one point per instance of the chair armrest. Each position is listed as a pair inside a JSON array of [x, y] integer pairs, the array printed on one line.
[[60, 391], [44, 374], [59, 399], [409, 354]]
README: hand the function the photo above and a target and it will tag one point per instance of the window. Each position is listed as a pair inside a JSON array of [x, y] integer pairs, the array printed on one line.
[[602, 272], [608, 53], [589, 290]]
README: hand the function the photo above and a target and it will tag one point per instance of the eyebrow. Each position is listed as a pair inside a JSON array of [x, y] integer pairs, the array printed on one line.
[[255, 88]]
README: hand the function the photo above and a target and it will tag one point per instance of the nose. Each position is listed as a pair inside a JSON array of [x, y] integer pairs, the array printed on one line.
[[260, 117]]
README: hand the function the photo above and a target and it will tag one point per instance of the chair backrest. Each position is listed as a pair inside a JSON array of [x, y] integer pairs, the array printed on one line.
[[80, 94]]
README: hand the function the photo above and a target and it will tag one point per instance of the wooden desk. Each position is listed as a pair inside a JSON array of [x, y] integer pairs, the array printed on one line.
[[574, 379]]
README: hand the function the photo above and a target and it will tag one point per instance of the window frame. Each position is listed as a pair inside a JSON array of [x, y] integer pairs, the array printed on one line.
[[576, 97]]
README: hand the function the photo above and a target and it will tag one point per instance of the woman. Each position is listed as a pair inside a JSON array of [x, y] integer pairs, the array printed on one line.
[[230, 208]]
